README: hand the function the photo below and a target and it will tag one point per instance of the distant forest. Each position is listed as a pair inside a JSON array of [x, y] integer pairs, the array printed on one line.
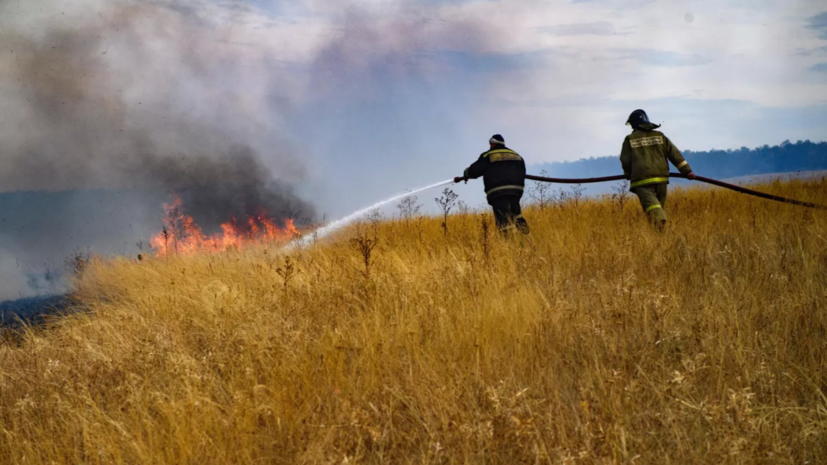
[[721, 164]]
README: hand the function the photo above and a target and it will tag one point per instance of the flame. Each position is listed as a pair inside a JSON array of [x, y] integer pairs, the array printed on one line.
[[181, 235]]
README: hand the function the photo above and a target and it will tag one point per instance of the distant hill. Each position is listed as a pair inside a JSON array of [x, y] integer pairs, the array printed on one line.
[[786, 157]]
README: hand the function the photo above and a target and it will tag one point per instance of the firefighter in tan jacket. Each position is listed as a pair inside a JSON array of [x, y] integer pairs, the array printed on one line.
[[644, 158]]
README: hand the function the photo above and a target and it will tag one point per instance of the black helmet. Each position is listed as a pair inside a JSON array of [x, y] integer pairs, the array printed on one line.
[[497, 140], [639, 118]]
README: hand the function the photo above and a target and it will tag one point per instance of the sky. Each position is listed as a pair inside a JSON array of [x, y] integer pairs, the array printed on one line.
[[344, 103], [375, 95]]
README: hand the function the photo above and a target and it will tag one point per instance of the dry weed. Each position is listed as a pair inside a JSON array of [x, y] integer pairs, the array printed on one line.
[[596, 341]]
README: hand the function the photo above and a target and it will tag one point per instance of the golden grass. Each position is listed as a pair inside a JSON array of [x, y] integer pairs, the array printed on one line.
[[597, 340]]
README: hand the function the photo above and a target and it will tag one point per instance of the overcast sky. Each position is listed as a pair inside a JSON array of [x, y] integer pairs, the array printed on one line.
[[373, 97]]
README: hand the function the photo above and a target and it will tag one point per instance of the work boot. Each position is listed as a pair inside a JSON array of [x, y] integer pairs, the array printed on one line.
[[522, 225]]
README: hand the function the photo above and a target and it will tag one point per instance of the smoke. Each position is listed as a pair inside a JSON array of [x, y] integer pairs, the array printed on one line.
[[236, 186], [135, 97], [396, 88], [109, 108], [372, 55], [115, 105], [154, 95]]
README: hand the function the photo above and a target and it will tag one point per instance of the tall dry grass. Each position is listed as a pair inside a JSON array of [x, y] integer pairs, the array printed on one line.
[[596, 340]]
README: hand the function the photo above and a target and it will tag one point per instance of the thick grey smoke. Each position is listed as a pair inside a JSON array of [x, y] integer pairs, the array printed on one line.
[[114, 105], [234, 186], [107, 109], [135, 98]]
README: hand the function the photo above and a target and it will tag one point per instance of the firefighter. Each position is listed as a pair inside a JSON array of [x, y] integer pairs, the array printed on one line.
[[503, 173], [644, 159]]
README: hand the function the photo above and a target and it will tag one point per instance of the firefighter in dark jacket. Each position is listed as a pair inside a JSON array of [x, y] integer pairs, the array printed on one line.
[[644, 159], [503, 173]]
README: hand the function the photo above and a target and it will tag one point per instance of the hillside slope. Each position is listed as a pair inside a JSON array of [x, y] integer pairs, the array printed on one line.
[[595, 340]]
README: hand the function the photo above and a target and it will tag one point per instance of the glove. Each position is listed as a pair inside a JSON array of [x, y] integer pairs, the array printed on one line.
[[690, 175], [461, 178]]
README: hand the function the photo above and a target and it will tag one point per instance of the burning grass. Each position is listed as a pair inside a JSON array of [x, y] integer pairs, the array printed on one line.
[[182, 236], [595, 341]]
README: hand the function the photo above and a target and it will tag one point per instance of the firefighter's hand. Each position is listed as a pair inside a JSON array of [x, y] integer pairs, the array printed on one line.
[[690, 175], [460, 179]]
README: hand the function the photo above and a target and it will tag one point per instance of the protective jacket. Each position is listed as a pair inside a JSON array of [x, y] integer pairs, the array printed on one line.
[[503, 172], [644, 158]]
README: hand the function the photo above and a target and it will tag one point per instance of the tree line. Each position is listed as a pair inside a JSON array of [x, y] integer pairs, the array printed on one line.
[[784, 158]]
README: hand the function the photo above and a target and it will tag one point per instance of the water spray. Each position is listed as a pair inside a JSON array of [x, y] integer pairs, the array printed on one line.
[[341, 223]]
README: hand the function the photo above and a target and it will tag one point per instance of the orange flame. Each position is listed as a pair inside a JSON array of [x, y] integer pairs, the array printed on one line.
[[181, 235]]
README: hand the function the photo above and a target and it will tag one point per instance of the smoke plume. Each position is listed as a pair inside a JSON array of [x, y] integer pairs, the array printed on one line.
[[109, 107], [132, 97]]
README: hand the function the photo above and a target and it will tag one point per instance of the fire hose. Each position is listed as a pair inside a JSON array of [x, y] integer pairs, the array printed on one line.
[[715, 182]]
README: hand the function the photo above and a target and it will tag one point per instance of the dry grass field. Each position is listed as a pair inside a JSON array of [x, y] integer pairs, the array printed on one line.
[[595, 340]]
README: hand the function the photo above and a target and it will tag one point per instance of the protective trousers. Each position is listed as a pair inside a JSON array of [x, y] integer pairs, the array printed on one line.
[[508, 214], [653, 200]]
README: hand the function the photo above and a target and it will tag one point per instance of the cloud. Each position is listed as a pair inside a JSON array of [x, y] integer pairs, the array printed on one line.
[[812, 51], [493, 62], [654, 57], [819, 24], [819, 68], [601, 28]]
